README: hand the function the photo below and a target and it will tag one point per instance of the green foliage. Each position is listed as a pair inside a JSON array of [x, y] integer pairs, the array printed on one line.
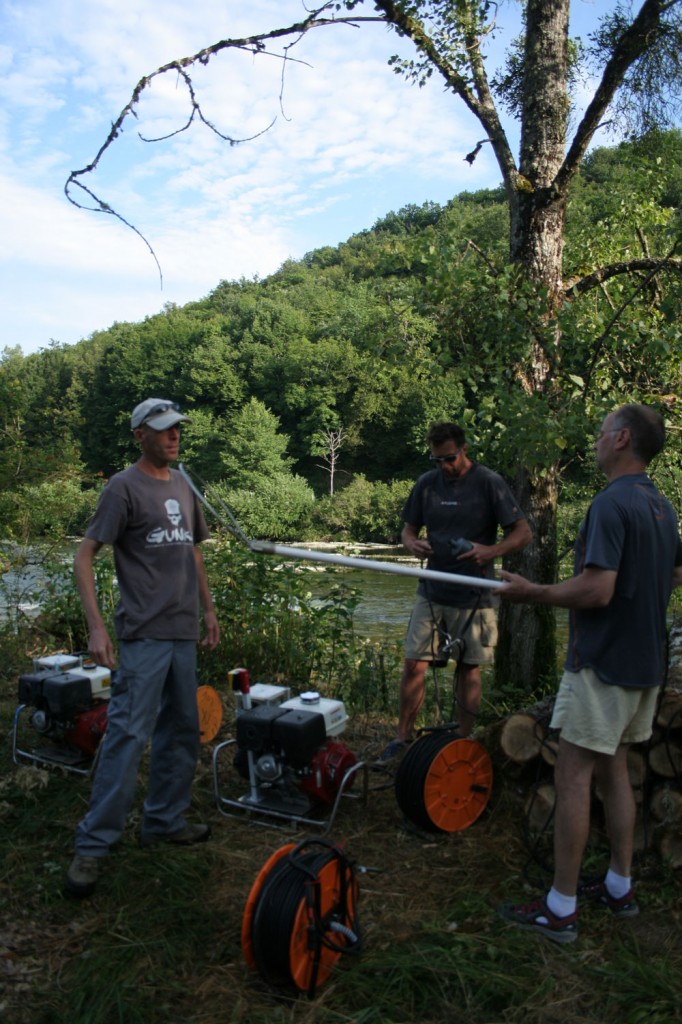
[[38, 418], [419, 319], [51, 508], [617, 343], [273, 623], [61, 620], [363, 511], [650, 95], [450, 27], [253, 447], [509, 83], [275, 507]]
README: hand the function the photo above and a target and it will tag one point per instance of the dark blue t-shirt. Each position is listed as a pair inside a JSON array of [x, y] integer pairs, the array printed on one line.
[[473, 506], [630, 528]]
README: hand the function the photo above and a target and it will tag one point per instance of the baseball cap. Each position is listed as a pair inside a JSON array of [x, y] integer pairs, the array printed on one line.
[[157, 413]]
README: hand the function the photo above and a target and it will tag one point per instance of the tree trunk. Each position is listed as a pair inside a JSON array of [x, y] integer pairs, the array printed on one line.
[[526, 650]]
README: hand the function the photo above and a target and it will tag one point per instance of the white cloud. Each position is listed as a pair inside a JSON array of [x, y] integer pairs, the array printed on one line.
[[351, 143]]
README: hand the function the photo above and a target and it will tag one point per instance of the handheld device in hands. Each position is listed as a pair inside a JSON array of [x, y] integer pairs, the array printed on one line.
[[459, 546]]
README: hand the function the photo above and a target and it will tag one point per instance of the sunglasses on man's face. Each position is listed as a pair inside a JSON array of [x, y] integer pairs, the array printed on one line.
[[444, 458], [158, 409]]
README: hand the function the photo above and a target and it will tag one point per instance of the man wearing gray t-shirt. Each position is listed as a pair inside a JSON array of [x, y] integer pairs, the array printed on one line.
[[153, 520]]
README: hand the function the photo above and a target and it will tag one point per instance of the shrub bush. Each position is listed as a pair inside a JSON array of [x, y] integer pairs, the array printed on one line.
[[52, 508], [364, 511], [277, 507]]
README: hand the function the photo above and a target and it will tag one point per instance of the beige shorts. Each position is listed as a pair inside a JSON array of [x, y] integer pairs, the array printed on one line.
[[423, 642], [600, 717]]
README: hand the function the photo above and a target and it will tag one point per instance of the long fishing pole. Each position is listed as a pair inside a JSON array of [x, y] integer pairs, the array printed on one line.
[[266, 547]]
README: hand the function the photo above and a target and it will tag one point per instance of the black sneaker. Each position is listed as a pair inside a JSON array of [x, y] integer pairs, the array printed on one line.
[[537, 917], [81, 878], [187, 836], [622, 906]]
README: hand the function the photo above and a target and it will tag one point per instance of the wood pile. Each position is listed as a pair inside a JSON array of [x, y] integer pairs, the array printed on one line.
[[525, 748]]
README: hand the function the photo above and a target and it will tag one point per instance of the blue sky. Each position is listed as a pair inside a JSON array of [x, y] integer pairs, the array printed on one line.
[[350, 143]]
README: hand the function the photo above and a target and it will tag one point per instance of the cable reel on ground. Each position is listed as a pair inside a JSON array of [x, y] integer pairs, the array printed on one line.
[[300, 915], [443, 782]]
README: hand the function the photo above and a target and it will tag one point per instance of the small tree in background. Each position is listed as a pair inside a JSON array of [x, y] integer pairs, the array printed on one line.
[[254, 448], [328, 445]]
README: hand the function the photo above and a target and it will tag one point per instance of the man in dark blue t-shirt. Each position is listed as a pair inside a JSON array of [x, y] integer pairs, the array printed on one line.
[[459, 500], [628, 558]]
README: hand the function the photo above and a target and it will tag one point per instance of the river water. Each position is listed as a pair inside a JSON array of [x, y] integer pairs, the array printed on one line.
[[383, 610], [385, 599]]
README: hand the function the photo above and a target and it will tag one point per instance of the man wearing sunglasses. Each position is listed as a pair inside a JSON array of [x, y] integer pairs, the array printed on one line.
[[463, 506], [151, 517]]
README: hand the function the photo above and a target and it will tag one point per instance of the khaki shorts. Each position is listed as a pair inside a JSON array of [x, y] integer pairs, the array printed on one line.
[[423, 642], [600, 717]]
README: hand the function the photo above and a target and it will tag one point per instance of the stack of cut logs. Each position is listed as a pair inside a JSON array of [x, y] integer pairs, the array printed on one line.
[[529, 747]]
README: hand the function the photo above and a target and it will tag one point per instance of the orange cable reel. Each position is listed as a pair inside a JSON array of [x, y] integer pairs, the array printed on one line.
[[301, 915], [210, 713], [444, 782]]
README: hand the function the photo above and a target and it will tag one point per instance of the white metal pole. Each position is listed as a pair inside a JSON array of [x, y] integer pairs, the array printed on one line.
[[266, 547]]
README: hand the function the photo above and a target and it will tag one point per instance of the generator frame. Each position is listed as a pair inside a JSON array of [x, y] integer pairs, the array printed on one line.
[[50, 755], [273, 805]]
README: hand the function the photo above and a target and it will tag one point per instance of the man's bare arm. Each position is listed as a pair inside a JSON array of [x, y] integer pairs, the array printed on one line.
[[592, 588], [212, 628], [99, 641]]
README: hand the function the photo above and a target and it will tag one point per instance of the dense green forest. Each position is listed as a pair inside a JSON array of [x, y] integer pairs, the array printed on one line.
[[310, 391]]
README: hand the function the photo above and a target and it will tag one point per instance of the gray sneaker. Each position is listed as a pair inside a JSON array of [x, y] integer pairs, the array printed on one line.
[[186, 836], [81, 878]]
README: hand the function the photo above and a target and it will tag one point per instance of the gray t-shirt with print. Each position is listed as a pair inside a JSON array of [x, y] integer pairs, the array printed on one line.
[[153, 526]]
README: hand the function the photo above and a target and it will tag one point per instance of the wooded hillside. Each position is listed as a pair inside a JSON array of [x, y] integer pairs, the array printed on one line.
[[342, 359]]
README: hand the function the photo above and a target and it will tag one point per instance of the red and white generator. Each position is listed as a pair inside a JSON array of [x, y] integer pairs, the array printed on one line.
[[288, 750], [62, 712]]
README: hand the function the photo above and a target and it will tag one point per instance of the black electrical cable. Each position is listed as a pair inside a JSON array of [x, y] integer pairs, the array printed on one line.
[[449, 647]]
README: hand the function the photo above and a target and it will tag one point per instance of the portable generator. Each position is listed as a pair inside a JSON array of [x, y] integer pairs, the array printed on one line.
[[287, 749], [63, 706]]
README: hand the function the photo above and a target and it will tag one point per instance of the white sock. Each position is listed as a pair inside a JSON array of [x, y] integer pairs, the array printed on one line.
[[617, 885], [560, 905]]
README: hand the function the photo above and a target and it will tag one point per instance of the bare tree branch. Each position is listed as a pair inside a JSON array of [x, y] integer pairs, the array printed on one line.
[[576, 287], [637, 38], [601, 340], [197, 112], [254, 44], [102, 207]]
